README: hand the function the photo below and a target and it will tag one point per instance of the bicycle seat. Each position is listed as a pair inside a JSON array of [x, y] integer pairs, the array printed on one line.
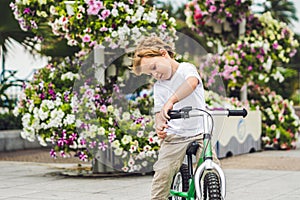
[[192, 148]]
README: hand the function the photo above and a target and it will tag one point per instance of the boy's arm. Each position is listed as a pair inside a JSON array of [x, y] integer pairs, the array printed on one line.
[[184, 90]]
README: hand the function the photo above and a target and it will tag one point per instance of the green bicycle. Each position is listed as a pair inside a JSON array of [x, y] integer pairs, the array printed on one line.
[[207, 180]]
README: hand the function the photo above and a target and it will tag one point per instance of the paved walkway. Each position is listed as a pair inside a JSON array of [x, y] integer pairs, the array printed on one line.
[[267, 175]]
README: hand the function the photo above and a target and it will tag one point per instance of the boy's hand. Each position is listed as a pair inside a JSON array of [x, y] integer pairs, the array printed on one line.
[[164, 111], [160, 125]]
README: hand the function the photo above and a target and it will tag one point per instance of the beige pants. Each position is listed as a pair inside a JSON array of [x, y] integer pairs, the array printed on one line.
[[171, 155]]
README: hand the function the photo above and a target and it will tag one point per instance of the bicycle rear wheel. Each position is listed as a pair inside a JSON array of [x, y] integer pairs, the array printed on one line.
[[211, 188], [181, 181]]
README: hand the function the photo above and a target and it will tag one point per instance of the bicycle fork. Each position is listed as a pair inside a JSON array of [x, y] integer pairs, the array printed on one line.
[[209, 165]]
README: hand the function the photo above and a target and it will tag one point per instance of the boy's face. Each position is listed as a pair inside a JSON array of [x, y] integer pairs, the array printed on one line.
[[159, 67]]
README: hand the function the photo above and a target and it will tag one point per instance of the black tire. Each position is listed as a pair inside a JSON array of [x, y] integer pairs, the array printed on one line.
[[211, 188], [180, 181]]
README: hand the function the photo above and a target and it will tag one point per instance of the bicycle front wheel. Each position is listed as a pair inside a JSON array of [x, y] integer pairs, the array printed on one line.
[[181, 182], [211, 188]]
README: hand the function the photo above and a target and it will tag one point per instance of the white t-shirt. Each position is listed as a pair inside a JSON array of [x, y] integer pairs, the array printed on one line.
[[164, 89]]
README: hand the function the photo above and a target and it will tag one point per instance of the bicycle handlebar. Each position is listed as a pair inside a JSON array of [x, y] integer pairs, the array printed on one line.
[[185, 113], [242, 113]]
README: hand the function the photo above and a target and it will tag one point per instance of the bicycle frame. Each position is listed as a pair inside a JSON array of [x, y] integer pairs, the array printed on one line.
[[205, 162]]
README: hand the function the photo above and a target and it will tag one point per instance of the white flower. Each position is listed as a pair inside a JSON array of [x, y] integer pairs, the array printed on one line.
[[115, 144], [74, 145], [126, 139], [78, 123], [47, 105], [172, 21], [266, 139], [69, 75], [110, 121], [133, 148], [117, 113], [115, 12], [140, 134], [147, 148], [26, 120], [41, 2], [30, 107], [16, 111], [53, 10], [42, 141], [101, 131], [70, 119], [114, 34], [28, 133], [57, 101], [56, 118], [145, 163], [41, 14], [131, 162], [110, 108], [74, 103], [261, 77], [118, 151], [136, 113], [130, 11], [43, 115], [126, 116], [268, 65], [278, 76], [150, 17]]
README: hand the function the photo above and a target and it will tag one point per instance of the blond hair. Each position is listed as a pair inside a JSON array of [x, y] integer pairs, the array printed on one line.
[[149, 47]]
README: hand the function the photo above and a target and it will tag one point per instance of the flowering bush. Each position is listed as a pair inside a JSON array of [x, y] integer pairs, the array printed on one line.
[[277, 35], [113, 124], [60, 108], [31, 14], [258, 56], [216, 18], [93, 23], [215, 101], [46, 106], [280, 124]]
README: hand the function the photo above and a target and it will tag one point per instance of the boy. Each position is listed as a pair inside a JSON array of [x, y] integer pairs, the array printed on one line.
[[178, 85]]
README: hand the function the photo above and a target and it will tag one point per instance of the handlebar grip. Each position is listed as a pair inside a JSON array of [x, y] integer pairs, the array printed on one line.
[[242, 113], [175, 114]]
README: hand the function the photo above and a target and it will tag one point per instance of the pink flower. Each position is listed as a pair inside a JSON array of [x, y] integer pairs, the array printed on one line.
[[292, 54], [82, 141], [212, 9], [99, 4], [103, 109], [61, 142], [93, 10], [83, 156], [93, 43], [102, 146], [105, 14], [86, 38], [111, 137], [250, 68], [53, 153], [92, 144], [27, 11], [163, 26], [103, 29], [228, 14]]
